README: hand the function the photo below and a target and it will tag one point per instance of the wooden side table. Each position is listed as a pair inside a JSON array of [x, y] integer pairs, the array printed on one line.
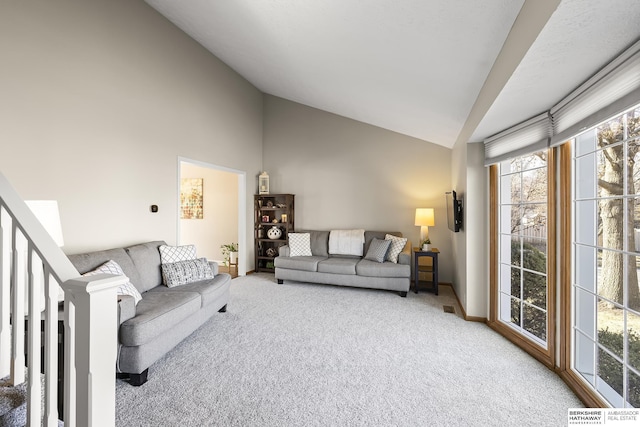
[[426, 270]]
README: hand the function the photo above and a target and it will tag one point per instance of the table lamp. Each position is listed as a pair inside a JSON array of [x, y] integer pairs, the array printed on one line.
[[424, 219]]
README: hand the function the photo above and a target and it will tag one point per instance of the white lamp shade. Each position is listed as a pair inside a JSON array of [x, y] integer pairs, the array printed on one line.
[[49, 216], [425, 217]]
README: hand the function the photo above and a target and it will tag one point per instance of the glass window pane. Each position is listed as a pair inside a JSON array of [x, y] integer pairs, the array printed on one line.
[[586, 177], [633, 340], [510, 189], [516, 219], [506, 222], [611, 275], [534, 289], [535, 160], [610, 175], [633, 153], [585, 218], [534, 185], [611, 327], [633, 123], [610, 372], [585, 357], [516, 251], [505, 248], [633, 389], [515, 311], [510, 166], [534, 220], [534, 255], [516, 282], [611, 223], [634, 245], [633, 292], [506, 279], [505, 308], [585, 267], [610, 132], [534, 321], [586, 312], [586, 143]]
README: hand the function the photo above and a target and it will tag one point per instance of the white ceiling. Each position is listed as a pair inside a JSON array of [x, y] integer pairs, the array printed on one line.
[[432, 69]]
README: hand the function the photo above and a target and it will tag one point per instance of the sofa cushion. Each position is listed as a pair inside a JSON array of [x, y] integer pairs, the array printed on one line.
[[157, 313], [183, 272], [210, 290], [369, 268], [112, 267], [146, 258], [377, 250], [92, 260], [397, 245], [307, 263], [300, 244], [338, 265], [170, 254]]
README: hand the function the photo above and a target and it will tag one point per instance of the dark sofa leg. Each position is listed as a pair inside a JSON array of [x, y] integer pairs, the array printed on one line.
[[280, 281], [223, 309], [403, 294], [139, 379]]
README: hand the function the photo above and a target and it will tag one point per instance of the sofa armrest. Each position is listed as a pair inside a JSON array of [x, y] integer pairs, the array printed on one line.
[[214, 267], [283, 250], [404, 257], [126, 308]]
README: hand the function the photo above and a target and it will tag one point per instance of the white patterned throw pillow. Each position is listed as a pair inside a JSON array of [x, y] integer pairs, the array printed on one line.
[[188, 271], [112, 267], [300, 244], [396, 246], [170, 254]]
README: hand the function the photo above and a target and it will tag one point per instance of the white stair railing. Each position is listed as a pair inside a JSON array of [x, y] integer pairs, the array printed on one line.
[[32, 268]]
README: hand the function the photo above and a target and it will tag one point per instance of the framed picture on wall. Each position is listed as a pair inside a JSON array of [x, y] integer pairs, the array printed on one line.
[[191, 198]]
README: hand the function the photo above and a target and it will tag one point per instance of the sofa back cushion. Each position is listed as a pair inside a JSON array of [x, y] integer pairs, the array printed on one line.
[[370, 235], [319, 242], [92, 260], [146, 258]]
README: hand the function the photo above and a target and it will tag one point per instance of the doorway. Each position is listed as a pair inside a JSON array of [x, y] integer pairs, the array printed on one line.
[[223, 211]]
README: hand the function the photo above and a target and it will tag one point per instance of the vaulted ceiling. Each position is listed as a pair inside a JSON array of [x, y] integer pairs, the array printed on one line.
[[439, 70]]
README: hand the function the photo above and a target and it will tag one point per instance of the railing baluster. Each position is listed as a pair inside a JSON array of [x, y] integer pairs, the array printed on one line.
[[51, 350], [34, 268], [17, 306], [5, 286]]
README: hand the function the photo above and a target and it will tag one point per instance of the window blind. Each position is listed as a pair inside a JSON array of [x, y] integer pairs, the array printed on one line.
[[527, 137], [612, 90], [609, 92]]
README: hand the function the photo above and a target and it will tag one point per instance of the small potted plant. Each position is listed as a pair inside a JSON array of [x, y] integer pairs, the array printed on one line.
[[230, 253], [426, 244]]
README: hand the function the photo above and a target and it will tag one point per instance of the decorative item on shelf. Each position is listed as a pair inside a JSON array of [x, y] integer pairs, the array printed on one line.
[[230, 253], [283, 218], [274, 233], [275, 220], [269, 204], [426, 245], [424, 219], [263, 183], [265, 218], [259, 203], [272, 252], [260, 233], [281, 206], [270, 264]]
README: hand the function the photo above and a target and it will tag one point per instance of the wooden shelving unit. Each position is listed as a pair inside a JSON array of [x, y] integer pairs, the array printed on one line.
[[269, 208]]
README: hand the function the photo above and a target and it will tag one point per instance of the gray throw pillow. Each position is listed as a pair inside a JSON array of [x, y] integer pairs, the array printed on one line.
[[377, 250], [183, 272]]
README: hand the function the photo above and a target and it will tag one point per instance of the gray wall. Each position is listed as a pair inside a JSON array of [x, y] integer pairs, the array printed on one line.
[[97, 102], [347, 174], [471, 245]]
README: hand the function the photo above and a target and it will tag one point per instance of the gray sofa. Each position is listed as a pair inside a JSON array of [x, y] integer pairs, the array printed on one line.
[[345, 270], [164, 316]]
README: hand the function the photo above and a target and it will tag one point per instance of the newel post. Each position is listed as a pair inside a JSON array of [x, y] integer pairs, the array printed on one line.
[[91, 329]]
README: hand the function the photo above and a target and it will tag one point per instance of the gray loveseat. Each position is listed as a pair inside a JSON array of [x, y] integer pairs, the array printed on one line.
[[345, 270], [164, 316]]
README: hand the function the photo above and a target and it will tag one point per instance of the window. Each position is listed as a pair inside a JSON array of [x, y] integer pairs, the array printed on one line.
[[522, 293], [605, 297]]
